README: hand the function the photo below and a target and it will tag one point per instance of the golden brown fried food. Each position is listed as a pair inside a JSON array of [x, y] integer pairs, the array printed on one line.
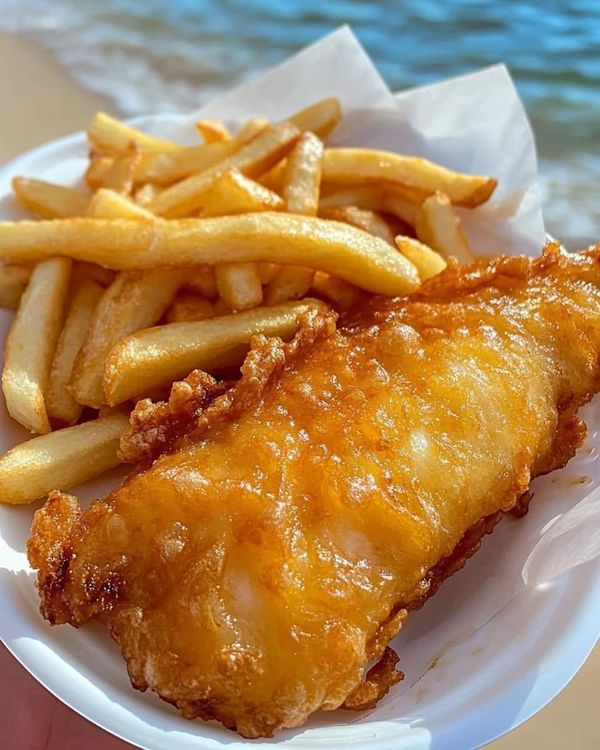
[[253, 572]]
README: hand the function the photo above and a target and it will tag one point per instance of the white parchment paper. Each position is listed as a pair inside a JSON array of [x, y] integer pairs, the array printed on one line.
[[472, 123]]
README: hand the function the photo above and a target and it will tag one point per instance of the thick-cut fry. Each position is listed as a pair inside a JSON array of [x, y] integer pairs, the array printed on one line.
[[158, 356], [60, 460], [370, 221], [320, 118], [301, 185], [48, 201], [13, 280], [290, 282], [343, 166], [239, 285], [31, 343], [427, 262], [391, 199], [119, 177], [439, 227], [107, 204], [112, 137], [201, 279], [213, 131], [131, 302], [97, 169], [169, 166], [339, 292], [253, 159], [234, 193], [189, 306], [302, 176], [329, 246], [60, 403]]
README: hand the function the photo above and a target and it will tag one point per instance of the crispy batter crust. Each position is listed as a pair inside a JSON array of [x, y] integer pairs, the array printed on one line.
[[199, 413]]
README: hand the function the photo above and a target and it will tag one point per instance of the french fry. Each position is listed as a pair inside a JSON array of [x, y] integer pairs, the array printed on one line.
[[158, 356], [62, 459], [13, 280], [60, 404], [253, 159], [107, 204], [170, 166], [110, 136], [97, 169], [302, 176], [166, 168], [213, 131], [239, 285], [391, 199], [31, 343], [120, 175], [300, 190], [439, 227], [288, 239], [320, 118], [343, 166], [48, 201], [289, 282], [370, 221], [234, 193], [202, 280], [133, 301], [427, 262], [189, 306], [339, 292]]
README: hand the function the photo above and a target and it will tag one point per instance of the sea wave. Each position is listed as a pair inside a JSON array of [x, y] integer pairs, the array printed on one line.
[[176, 55]]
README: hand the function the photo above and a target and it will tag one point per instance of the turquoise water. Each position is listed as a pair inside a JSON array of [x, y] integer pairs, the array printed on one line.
[[172, 55]]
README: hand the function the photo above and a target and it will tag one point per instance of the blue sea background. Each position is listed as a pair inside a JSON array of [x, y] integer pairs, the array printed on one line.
[[173, 55]]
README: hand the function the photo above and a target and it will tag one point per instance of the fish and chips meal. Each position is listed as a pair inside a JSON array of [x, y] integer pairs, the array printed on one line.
[[326, 398]]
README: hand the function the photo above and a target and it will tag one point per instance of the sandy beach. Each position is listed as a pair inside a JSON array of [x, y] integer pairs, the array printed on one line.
[[39, 99], [41, 102]]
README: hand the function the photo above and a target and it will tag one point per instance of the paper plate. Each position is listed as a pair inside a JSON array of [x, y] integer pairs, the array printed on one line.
[[469, 677]]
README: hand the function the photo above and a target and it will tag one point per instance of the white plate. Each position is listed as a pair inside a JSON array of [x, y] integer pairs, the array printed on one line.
[[485, 682]]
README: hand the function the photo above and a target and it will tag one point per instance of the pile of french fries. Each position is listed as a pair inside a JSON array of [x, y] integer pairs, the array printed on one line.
[[180, 254]]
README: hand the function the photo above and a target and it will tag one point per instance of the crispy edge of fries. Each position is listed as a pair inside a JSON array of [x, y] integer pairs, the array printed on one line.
[[320, 118], [60, 459], [47, 200], [439, 226], [288, 239], [31, 344], [60, 403], [156, 357], [370, 221]]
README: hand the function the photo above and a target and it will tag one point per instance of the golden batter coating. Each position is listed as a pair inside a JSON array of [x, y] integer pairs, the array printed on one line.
[[253, 572]]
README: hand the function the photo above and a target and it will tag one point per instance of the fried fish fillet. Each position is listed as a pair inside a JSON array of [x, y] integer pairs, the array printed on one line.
[[252, 571]]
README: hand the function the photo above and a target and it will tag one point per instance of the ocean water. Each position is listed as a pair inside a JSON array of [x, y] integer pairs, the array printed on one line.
[[174, 55]]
